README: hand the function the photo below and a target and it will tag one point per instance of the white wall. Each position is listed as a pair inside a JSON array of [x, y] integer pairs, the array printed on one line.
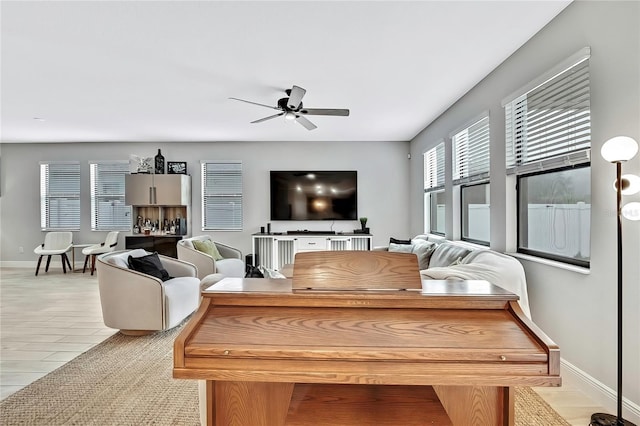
[[383, 182], [578, 311]]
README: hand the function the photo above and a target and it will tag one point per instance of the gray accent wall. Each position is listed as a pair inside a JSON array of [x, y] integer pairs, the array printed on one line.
[[577, 310], [383, 182]]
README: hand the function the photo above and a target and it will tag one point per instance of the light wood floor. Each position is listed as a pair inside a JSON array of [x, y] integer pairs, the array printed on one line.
[[50, 319]]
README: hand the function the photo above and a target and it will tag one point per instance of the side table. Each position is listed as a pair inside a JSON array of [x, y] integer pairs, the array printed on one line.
[[73, 254]]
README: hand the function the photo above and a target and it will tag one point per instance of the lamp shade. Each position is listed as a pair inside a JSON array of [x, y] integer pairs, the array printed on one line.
[[619, 148], [631, 211], [630, 184]]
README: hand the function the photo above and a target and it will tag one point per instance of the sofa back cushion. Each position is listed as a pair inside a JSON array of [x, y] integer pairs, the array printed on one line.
[[446, 254]]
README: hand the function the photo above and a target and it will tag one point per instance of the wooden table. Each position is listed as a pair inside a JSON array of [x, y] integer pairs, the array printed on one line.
[[449, 353]]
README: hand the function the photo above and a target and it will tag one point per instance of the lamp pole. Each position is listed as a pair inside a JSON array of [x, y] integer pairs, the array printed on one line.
[[617, 150]]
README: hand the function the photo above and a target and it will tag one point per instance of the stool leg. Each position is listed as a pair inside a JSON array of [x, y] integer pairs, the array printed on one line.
[[46, 269], [93, 263], [39, 262], [86, 260]]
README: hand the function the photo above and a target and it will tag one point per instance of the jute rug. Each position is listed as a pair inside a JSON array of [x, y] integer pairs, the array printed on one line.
[[128, 381]]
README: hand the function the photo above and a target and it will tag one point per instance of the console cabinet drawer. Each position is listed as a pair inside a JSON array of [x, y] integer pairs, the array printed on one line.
[[310, 244]]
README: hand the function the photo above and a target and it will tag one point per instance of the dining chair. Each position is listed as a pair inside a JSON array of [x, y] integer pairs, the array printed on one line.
[[55, 243], [109, 245]]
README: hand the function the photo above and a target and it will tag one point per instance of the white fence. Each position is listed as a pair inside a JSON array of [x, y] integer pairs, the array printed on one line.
[[562, 229]]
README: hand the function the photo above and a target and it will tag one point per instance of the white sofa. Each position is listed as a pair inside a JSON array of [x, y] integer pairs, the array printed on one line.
[[137, 303], [441, 259], [231, 265]]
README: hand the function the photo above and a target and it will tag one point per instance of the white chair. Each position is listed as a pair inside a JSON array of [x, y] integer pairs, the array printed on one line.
[[231, 265], [109, 245], [55, 243], [137, 303]]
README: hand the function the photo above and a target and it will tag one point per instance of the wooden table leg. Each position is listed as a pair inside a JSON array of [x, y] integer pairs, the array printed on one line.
[[248, 403], [478, 405]]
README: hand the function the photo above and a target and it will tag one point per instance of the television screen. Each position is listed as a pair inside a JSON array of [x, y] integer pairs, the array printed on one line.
[[314, 195]]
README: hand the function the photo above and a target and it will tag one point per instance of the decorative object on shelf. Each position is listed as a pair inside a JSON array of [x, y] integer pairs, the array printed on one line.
[[140, 164], [159, 162], [618, 150], [363, 224], [177, 167]]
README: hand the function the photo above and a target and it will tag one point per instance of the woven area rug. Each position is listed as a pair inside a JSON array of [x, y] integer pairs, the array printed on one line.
[[128, 381]]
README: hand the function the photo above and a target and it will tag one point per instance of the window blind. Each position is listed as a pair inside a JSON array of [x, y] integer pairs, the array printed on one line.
[[471, 153], [60, 196], [108, 209], [550, 125], [434, 168], [221, 196]]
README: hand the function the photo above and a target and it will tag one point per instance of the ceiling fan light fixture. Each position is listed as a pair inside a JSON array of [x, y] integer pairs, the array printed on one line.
[[290, 116]]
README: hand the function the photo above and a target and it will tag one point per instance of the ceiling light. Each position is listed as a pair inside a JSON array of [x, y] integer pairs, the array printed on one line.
[[290, 116]]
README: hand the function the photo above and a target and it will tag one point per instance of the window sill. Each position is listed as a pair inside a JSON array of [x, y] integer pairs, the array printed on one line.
[[553, 263]]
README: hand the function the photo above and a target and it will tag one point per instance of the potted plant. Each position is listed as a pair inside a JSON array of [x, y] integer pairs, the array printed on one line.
[[363, 224]]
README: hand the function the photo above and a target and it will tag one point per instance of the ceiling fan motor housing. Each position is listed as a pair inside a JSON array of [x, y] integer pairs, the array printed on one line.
[[283, 103]]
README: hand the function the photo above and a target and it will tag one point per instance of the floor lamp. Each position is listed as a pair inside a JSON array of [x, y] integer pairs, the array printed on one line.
[[618, 150]]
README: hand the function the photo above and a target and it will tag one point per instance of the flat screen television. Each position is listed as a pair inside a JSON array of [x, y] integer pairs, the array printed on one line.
[[314, 195]]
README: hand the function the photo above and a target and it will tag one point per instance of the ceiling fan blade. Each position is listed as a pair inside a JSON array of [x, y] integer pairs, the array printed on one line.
[[295, 97], [267, 118], [254, 103], [306, 123], [324, 111]]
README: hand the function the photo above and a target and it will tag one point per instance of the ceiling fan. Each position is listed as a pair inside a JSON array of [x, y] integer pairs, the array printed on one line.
[[292, 109]]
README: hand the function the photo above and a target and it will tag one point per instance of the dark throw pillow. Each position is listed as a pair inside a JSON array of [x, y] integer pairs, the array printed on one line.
[[149, 265], [397, 241]]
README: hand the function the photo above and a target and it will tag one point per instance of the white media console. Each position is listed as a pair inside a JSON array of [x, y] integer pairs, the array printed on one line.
[[275, 250]]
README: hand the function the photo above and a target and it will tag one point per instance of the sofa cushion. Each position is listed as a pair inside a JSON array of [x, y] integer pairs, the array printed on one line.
[[122, 259], [422, 249], [400, 248], [207, 247], [399, 241], [446, 254], [149, 265]]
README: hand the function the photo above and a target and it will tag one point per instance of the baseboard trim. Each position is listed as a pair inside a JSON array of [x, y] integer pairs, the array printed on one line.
[[31, 264], [21, 264], [598, 391]]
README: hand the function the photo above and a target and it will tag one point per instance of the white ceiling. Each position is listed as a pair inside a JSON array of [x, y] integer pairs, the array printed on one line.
[[163, 71]]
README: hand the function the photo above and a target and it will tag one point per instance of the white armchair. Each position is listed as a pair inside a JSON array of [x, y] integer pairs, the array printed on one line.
[[231, 265], [137, 303], [55, 243], [109, 245]]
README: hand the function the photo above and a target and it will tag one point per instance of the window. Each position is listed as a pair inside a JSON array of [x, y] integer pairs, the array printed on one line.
[[475, 213], [221, 196], [434, 189], [548, 135], [60, 196], [554, 211], [471, 165], [108, 209]]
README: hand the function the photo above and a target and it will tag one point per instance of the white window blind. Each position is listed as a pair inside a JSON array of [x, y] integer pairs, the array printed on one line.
[[549, 126], [471, 152], [221, 196], [60, 196], [108, 209], [434, 168]]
